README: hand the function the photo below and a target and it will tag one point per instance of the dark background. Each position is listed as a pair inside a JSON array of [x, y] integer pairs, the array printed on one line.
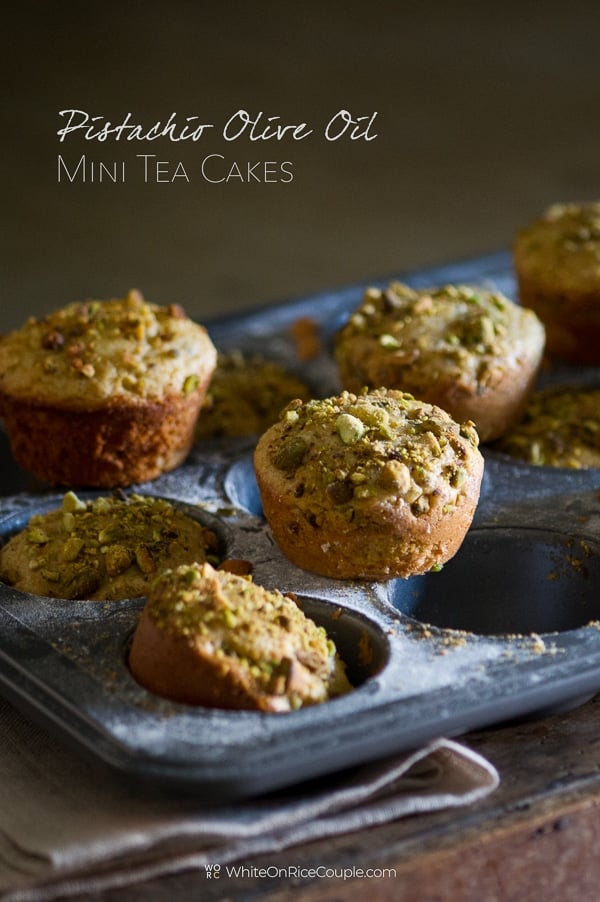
[[486, 113]]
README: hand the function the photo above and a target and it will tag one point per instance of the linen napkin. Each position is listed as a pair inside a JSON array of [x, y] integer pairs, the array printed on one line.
[[69, 827]]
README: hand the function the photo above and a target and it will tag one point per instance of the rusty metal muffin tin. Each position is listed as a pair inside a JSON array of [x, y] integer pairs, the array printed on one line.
[[507, 629]]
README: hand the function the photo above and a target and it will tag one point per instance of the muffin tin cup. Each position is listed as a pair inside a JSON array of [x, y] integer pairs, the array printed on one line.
[[509, 627], [509, 581]]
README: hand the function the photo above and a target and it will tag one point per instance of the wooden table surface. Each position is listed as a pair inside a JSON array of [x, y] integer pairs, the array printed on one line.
[[535, 837]]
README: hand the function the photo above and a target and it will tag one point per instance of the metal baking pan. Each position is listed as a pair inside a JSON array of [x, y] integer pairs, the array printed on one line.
[[507, 629]]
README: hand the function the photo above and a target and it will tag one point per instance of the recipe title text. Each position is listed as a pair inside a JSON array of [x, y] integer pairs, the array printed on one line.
[[215, 167]]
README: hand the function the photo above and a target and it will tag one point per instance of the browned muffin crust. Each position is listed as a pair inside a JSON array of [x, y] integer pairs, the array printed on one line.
[[557, 262], [212, 638], [104, 393], [468, 350], [368, 487], [107, 548]]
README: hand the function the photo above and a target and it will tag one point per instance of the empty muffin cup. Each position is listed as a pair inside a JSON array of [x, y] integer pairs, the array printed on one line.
[[507, 581]]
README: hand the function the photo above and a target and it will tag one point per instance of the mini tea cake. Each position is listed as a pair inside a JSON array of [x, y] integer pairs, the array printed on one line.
[[212, 638], [106, 548], [557, 262], [470, 351], [104, 393], [368, 486]]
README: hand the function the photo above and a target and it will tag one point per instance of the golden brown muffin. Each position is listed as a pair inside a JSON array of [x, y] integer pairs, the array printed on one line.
[[561, 428], [104, 393], [368, 487], [208, 637], [470, 351], [557, 262], [107, 548], [246, 395]]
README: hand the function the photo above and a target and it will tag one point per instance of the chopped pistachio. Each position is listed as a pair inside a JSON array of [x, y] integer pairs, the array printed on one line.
[[118, 559], [72, 548], [52, 576], [229, 618], [144, 559], [421, 505], [388, 341], [110, 533], [396, 474], [190, 384], [458, 478], [37, 536], [340, 492], [290, 454], [72, 503], [291, 416], [349, 428]]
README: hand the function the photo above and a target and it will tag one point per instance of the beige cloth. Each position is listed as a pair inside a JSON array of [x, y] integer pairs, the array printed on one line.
[[68, 827]]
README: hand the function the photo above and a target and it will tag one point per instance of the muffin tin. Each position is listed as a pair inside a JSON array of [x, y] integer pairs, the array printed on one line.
[[510, 627]]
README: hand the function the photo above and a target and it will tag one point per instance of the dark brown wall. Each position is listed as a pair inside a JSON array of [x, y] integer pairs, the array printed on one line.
[[485, 113]]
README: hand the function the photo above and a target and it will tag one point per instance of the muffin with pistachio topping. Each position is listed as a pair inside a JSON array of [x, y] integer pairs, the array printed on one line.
[[369, 486], [104, 393], [557, 262], [246, 395], [207, 637], [471, 351], [107, 548], [561, 428]]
